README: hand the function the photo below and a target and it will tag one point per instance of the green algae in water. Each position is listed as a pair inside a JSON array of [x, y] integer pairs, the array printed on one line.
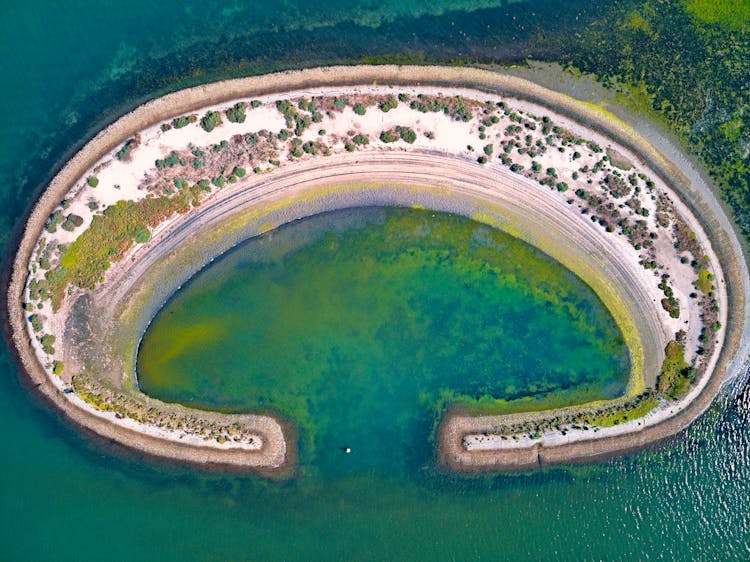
[[361, 324]]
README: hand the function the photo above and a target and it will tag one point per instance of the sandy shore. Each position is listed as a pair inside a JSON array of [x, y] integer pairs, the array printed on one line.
[[542, 221]]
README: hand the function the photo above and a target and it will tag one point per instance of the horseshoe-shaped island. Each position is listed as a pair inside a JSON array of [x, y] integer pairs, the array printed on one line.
[[180, 180]]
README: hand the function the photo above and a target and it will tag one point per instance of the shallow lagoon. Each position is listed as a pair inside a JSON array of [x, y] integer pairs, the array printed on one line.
[[361, 325], [64, 497]]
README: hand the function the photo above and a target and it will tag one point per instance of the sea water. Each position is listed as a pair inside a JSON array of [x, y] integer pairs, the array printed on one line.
[[68, 68]]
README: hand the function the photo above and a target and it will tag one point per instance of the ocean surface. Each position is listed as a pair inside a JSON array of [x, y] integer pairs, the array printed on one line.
[[68, 68]]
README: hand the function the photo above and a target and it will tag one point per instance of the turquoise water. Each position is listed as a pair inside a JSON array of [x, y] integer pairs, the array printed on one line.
[[360, 325], [69, 67]]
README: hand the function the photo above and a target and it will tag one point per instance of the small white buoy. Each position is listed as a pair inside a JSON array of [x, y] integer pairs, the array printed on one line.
[[347, 450]]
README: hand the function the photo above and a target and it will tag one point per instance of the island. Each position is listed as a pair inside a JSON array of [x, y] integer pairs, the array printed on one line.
[[180, 180]]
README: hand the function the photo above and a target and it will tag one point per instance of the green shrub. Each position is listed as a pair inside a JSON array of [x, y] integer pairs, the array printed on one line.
[[47, 341], [310, 147], [390, 103], [361, 139], [675, 374], [489, 149], [184, 121], [288, 110], [388, 136], [704, 281], [54, 219], [255, 104], [57, 367], [359, 109], [72, 222], [170, 161], [127, 148], [93, 181], [236, 113], [301, 123], [239, 172], [210, 121], [142, 234], [407, 134], [36, 322]]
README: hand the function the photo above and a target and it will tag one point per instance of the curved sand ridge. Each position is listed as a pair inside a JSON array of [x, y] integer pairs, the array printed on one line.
[[133, 290]]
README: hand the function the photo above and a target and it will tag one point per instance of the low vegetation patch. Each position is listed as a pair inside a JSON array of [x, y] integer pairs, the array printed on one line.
[[562, 421], [47, 341], [109, 236], [210, 121], [71, 222], [236, 113], [184, 121], [128, 147], [405, 134], [676, 375], [669, 303], [704, 282], [638, 410], [389, 103], [618, 160]]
